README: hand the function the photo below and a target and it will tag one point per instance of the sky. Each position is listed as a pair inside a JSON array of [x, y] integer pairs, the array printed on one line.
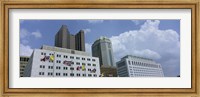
[[155, 39]]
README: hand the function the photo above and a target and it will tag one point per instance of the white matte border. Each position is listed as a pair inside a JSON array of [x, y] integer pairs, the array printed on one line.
[[167, 82]]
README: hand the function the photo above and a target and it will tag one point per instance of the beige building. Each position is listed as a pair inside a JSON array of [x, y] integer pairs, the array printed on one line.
[[23, 63]]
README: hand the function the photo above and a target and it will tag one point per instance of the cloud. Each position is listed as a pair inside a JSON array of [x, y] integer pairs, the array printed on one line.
[[88, 48], [149, 41], [87, 30], [95, 21], [25, 50], [136, 22], [24, 33], [37, 34]]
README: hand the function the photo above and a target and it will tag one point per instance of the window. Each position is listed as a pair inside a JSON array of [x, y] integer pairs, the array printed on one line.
[[89, 64], [41, 73], [71, 74], [57, 67], [57, 74], [84, 74], [129, 62], [78, 74], [42, 66], [58, 61], [64, 74], [64, 68], [58, 55], [78, 58], [88, 59], [95, 75], [89, 75], [71, 68], [93, 60], [41, 53], [44, 53], [50, 73], [89, 69], [93, 64], [83, 58], [77, 63], [71, 57], [65, 56]]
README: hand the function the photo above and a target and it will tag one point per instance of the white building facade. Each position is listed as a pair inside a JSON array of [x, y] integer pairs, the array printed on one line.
[[60, 62], [133, 66]]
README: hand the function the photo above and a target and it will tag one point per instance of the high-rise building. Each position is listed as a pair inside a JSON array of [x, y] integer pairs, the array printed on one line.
[[64, 39], [134, 66], [102, 48], [23, 63], [61, 62]]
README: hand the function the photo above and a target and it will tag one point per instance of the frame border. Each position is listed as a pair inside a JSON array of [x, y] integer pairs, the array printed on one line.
[[110, 4]]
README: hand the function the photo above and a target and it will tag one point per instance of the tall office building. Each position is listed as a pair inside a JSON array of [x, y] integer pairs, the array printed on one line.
[[23, 63], [102, 48], [61, 62], [64, 39], [134, 66]]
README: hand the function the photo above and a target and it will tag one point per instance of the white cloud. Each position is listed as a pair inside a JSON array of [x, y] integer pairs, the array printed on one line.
[[36, 34], [24, 41], [24, 33], [151, 42], [25, 50], [88, 48], [87, 30], [136, 22], [95, 21]]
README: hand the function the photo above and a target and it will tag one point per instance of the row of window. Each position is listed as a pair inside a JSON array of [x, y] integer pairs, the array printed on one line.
[[58, 67], [77, 63], [142, 64], [71, 57], [66, 74]]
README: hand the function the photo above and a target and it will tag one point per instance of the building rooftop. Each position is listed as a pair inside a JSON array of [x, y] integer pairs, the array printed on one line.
[[131, 56], [64, 50], [102, 38]]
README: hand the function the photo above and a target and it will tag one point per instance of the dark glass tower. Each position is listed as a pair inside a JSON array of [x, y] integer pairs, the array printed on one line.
[[64, 39]]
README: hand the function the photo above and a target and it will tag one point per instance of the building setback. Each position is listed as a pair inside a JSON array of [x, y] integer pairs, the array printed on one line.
[[133, 66], [60, 62], [102, 48], [23, 63], [64, 39]]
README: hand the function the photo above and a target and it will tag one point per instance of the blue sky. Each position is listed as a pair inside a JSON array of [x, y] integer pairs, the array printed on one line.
[[156, 39]]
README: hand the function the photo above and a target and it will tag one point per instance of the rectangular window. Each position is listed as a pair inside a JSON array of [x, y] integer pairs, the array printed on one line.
[[89, 64], [93, 59], [77, 63], [93, 64], [89, 75], [71, 68], [95, 75], [83, 58], [78, 58], [88, 59], [71, 74], [71, 57], [84, 74], [78, 74]]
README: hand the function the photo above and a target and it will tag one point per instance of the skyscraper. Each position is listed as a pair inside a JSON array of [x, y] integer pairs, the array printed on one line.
[[64, 39], [102, 48]]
